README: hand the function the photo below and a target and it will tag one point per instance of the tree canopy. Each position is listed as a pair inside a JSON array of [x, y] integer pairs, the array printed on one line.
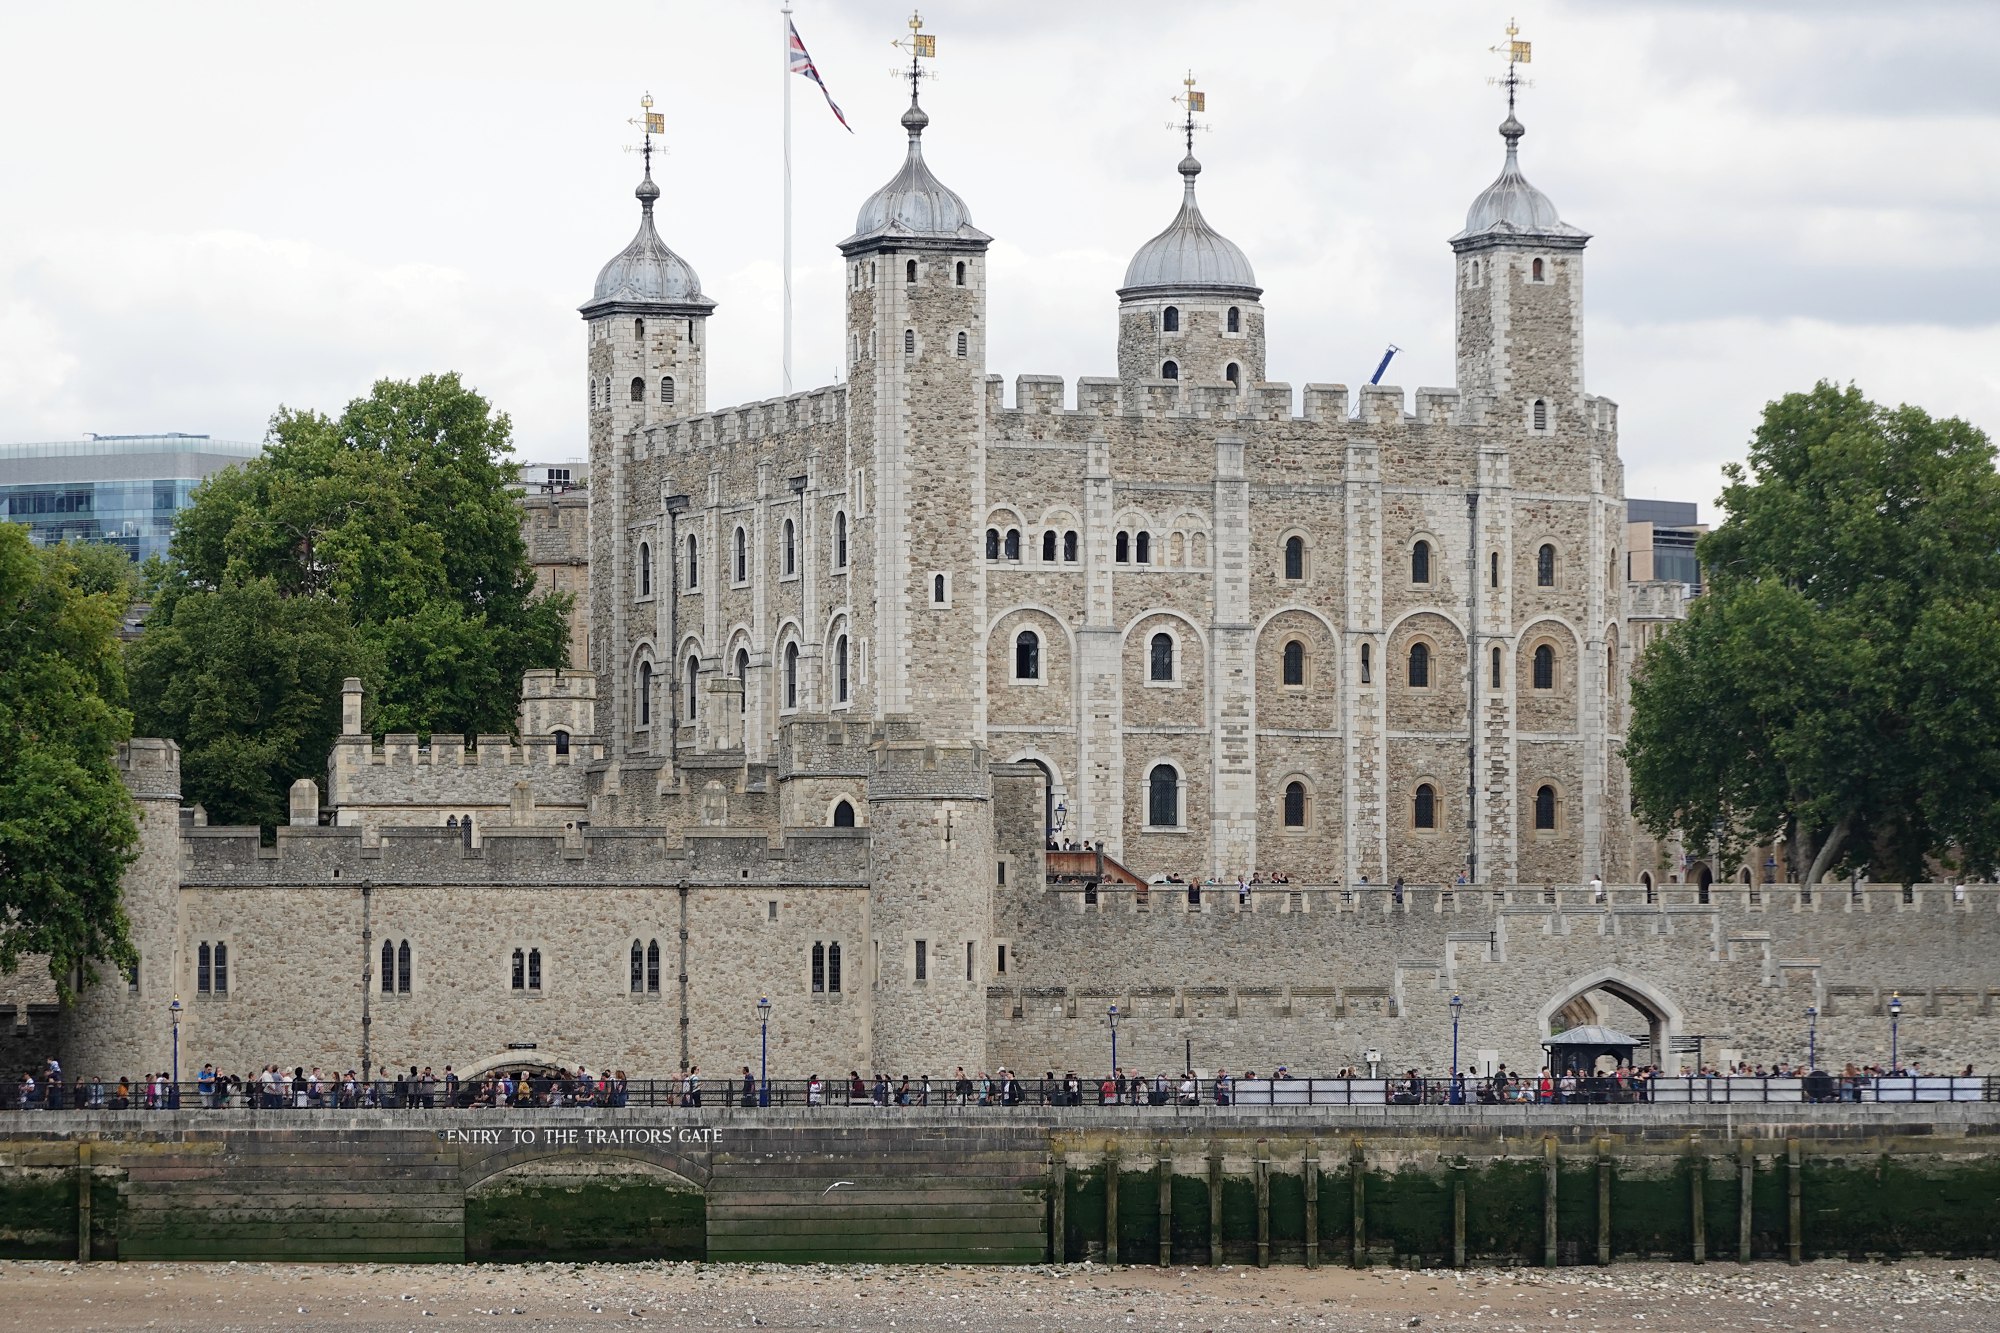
[[66, 825], [383, 543], [1838, 682]]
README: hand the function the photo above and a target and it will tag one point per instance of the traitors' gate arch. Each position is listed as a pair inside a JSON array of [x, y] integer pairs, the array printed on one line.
[[1664, 1018]]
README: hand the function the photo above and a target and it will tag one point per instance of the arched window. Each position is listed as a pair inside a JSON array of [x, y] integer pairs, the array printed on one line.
[[743, 679], [1295, 805], [1049, 547], [791, 552], [964, 343], [992, 543], [1474, 271], [1123, 548], [534, 969], [1069, 548], [818, 968], [1366, 676], [1142, 548], [1493, 570], [645, 694], [909, 342], [1013, 544], [791, 675], [202, 974], [638, 967], [843, 814], [520, 976], [1545, 567], [593, 391], [693, 686], [742, 556], [653, 966], [961, 273], [1163, 797], [221, 968], [452, 822], [910, 271], [638, 389], [403, 967], [1423, 809], [1170, 320], [840, 669], [694, 562], [1232, 373], [1420, 666], [562, 742], [1420, 563], [1295, 663], [666, 388], [645, 569], [1170, 371], [1161, 657], [833, 968], [638, 328], [1545, 667], [1027, 655], [1545, 809], [937, 589], [1496, 668], [388, 967], [1235, 319], [1295, 558], [839, 539], [1541, 414], [1538, 270]]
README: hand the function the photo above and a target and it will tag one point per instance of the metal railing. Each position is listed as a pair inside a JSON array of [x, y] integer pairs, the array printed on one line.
[[537, 1091]]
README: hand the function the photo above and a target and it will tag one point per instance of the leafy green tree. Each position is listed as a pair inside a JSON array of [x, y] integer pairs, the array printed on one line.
[[1839, 681], [66, 825], [395, 522]]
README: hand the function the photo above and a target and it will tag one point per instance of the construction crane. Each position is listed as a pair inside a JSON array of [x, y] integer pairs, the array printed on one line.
[[1376, 378]]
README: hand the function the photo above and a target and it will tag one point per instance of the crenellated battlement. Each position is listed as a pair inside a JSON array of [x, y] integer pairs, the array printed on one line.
[[1375, 405], [746, 423], [151, 768]]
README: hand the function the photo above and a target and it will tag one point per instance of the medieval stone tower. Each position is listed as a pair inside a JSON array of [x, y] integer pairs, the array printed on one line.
[[916, 321]]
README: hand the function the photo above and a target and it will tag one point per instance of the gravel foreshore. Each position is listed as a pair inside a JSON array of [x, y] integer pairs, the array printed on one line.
[[1916, 1297]]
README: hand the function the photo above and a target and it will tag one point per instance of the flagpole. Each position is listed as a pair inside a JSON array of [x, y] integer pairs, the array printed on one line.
[[786, 67]]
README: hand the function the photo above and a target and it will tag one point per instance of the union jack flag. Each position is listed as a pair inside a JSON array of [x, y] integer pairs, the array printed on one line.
[[802, 63]]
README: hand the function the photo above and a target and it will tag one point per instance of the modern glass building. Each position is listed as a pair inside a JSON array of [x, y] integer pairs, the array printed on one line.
[[120, 489]]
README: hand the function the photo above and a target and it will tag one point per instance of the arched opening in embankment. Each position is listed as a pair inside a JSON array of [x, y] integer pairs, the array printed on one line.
[[568, 1207], [1614, 998]]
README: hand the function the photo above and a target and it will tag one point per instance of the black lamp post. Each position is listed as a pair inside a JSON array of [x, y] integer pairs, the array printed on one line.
[[1895, 1013], [1112, 1018], [1812, 1037], [1457, 1005], [174, 1013], [764, 1051]]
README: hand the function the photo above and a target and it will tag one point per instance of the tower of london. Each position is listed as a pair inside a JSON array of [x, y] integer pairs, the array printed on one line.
[[948, 714]]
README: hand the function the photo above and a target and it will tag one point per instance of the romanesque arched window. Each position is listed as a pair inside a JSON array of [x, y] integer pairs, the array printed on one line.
[[1235, 319], [1160, 657], [1122, 548], [1295, 558], [694, 562], [1423, 808], [1420, 666], [693, 686], [1545, 809], [1295, 663], [964, 343], [791, 675], [638, 329], [1545, 566], [839, 539], [909, 342], [1142, 548], [1295, 805], [1496, 668], [1538, 270], [1170, 320], [843, 814], [910, 271], [645, 569], [992, 543], [1013, 544], [791, 549], [1420, 563], [742, 556], [1027, 655], [1171, 370], [403, 967], [840, 669], [743, 679], [1545, 667], [938, 589], [1233, 373], [645, 694], [960, 278], [1049, 547], [638, 389], [1541, 414], [667, 389], [653, 967], [638, 968], [1069, 548], [1163, 797]]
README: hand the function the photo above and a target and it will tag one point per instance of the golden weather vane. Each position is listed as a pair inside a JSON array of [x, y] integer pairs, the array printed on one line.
[[1518, 53], [921, 46], [1189, 102], [649, 123]]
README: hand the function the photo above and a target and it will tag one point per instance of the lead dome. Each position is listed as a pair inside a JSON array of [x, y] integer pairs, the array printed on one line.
[[646, 272], [914, 204], [1510, 206], [1190, 255]]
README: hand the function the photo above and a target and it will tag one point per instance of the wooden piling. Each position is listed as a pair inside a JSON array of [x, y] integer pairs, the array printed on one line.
[[1111, 1205], [1746, 1174], [1795, 1218], [1165, 1170], [1549, 1202], [1603, 1202], [1214, 1205], [1358, 1238], [1311, 1169], [1458, 1214], [1697, 1178], [1058, 1206], [83, 1176], [1262, 1168]]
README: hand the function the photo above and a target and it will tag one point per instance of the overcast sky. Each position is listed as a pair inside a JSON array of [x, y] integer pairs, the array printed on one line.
[[216, 208]]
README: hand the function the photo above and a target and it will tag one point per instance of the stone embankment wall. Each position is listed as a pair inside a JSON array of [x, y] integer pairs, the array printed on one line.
[[1388, 1186]]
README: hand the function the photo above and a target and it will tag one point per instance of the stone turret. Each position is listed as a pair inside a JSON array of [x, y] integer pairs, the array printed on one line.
[[1190, 308]]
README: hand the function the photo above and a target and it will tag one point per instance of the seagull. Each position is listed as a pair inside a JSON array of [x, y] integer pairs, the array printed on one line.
[[834, 1186]]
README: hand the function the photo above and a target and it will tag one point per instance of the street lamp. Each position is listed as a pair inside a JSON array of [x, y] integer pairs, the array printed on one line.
[[1895, 1012], [764, 1050], [174, 1012], [1812, 1037], [1112, 1016], [1457, 1004]]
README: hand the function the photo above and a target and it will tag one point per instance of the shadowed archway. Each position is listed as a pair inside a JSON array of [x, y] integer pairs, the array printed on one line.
[[1575, 1001]]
